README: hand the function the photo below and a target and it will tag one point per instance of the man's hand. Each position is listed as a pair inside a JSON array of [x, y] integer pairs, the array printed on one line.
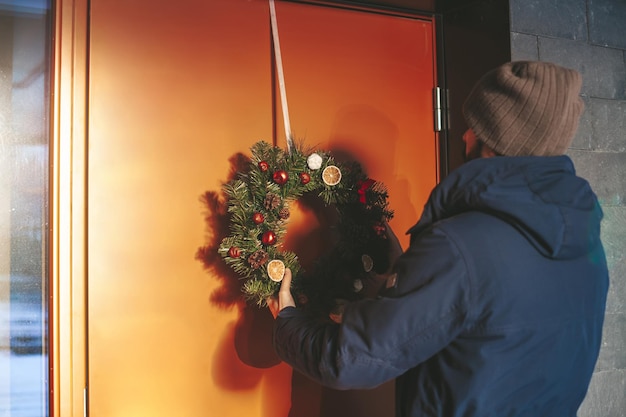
[[285, 299]]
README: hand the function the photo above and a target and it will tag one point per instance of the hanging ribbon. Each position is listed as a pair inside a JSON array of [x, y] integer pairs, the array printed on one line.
[[281, 76]]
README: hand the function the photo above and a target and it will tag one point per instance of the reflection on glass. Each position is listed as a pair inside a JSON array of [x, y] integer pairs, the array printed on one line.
[[24, 96]]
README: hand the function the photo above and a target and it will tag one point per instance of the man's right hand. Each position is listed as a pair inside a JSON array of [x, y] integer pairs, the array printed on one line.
[[285, 299]]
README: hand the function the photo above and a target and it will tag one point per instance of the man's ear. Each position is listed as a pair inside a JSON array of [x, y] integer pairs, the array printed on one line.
[[487, 152]]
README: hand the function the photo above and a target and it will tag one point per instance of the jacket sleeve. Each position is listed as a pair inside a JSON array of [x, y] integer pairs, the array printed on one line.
[[380, 339]]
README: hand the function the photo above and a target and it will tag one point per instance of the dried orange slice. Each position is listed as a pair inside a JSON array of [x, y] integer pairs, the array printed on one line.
[[276, 270], [331, 175], [368, 263]]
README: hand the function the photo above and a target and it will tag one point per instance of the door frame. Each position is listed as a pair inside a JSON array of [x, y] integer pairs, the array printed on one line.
[[67, 210]]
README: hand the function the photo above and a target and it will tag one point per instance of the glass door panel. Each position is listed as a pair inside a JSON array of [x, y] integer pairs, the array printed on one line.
[[25, 37]]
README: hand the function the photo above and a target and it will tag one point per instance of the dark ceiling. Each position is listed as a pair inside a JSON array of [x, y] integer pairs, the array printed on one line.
[[413, 5], [401, 5], [427, 6]]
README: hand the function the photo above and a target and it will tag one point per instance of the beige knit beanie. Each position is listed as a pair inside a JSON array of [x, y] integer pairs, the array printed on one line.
[[526, 108]]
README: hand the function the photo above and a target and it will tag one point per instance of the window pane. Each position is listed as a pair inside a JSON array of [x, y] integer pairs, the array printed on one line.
[[25, 36]]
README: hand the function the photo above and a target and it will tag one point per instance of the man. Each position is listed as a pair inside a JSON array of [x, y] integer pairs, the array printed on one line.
[[497, 306]]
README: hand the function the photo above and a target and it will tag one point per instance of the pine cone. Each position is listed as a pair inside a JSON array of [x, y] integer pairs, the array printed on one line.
[[271, 201], [284, 213], [258, 259]]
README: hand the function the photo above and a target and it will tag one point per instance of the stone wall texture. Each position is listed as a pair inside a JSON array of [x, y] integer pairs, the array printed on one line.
[[590, 36]]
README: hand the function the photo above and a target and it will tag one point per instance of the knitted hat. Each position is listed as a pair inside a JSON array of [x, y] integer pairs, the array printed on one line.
[[526, 108]]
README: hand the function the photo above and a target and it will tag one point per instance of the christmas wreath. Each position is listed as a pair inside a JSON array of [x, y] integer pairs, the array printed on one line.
[[258, 201]]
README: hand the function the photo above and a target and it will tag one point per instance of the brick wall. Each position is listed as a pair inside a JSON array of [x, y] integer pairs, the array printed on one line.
[[590, 36]]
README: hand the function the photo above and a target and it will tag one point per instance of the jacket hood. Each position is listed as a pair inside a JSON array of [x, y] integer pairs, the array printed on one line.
[[540, 196]]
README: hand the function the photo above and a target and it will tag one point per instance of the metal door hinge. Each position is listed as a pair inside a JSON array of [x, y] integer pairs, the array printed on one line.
[[440, 108], [85, 403]]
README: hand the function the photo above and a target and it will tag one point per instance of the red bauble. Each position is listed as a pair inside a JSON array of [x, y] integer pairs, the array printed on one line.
[[258, 218], [363, 187], [234, 252], [304, 178], [264, 166], [380, 229], [268, 238], [280, 177], [302, 298]]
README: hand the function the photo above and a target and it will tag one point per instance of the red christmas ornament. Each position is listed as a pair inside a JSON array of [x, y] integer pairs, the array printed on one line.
[[280, 177], [258, 218], [234, 252], [264, 166], [380, 229], [305, 178], [302, 298], [363, 187], [268, 238]]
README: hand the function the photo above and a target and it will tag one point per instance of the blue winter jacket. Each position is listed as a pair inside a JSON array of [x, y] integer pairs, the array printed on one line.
[[498, 306]]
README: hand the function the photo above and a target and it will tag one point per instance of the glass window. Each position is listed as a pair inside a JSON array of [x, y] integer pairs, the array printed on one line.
[[25, 38]]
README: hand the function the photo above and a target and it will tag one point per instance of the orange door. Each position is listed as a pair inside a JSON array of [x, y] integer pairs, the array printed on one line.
[[177, 91], [362, 83]]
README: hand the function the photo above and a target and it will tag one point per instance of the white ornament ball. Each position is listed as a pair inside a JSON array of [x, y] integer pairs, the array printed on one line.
[[314, 161]]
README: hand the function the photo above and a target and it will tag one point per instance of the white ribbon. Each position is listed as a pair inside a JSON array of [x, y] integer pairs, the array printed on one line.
[[281, 76]]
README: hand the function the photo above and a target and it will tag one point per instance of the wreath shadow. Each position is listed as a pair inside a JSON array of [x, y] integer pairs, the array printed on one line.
[[251, 335], [252, 332]]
